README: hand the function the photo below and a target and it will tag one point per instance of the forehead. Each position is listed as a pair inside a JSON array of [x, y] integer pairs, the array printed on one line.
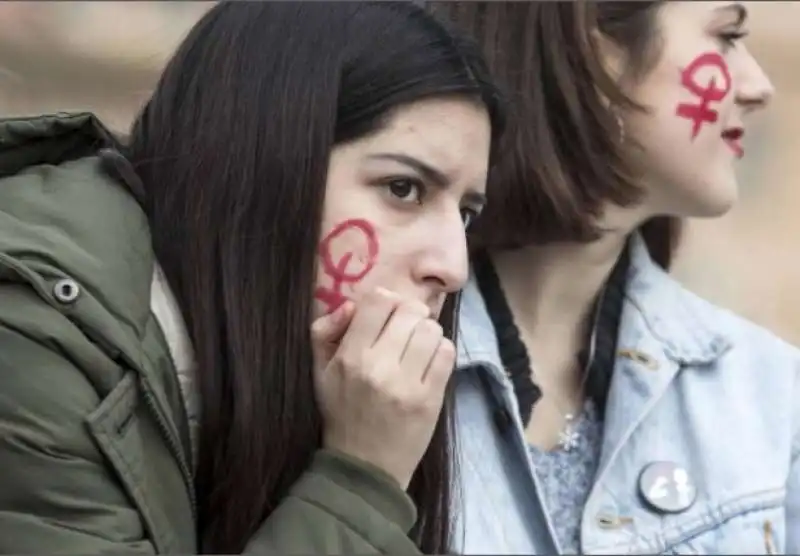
[[451, 134]]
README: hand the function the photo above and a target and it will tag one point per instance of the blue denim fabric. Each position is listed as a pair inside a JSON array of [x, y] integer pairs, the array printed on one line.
[[693, 384]]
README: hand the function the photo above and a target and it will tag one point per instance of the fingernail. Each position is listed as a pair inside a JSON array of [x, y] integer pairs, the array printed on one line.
[[342, 310]]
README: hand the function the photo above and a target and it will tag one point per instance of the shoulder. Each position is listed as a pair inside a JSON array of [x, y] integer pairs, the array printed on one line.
[[76, 262], [77, 336], [760, 366], [732, 324], [737, 335], [727, 362], [691, 328], [730, 388], [68, 229], [730, 367]]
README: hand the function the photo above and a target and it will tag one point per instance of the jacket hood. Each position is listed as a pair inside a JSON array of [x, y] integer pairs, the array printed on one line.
[[62, 217]]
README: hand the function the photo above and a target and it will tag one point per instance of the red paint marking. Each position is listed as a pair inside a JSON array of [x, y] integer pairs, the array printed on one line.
[[333, 297], [701, 112]]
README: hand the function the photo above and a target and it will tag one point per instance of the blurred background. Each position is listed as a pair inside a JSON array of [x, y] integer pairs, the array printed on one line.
[[106, 56]]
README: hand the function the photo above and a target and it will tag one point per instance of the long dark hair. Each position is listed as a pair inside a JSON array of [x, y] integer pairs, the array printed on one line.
[[232, 151]]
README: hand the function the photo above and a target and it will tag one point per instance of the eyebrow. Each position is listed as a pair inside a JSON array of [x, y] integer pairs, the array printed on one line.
[[738, 9], [426, 170], [430, 173]]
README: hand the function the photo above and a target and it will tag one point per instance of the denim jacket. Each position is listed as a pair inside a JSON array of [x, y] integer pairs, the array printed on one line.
[[692, 384]]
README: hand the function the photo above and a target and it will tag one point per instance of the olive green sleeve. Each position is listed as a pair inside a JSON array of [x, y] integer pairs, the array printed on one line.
[[59, 495], [56, 493], [340, 506]]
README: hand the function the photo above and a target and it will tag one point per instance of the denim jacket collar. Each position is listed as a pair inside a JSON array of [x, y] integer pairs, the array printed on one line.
[[681, 322]]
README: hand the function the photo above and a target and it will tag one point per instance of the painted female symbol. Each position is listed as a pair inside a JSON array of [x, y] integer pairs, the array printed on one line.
[[701, 112], [333, 297]]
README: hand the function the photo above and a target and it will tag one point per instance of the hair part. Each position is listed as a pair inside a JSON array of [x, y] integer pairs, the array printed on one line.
[[232, 150], [564, 156]]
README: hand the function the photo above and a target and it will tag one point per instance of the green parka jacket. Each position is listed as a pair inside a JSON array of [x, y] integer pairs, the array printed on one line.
[[95, 443]]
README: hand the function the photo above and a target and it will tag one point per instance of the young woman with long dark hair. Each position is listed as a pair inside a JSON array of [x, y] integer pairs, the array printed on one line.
[[221, 334]]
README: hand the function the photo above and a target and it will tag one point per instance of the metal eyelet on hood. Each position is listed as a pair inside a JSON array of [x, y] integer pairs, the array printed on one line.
[[66, 291]]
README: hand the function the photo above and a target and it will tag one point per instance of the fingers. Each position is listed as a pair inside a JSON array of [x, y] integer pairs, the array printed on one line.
[[331, 327], [421, 348], [399, 330], [373, 311], [441, 366], [390, 335], [328, 330], [380, 393]]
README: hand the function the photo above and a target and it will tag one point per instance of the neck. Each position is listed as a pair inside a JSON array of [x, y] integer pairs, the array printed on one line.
[[552, 288]]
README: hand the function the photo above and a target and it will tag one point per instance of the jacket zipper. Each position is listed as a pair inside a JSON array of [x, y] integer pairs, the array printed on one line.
[[172, 442]]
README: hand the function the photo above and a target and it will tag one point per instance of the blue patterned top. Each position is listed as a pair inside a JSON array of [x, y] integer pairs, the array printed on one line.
[[567, 476]]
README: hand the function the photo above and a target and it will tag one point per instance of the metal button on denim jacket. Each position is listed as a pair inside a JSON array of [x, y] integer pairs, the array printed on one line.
[[693, 384]]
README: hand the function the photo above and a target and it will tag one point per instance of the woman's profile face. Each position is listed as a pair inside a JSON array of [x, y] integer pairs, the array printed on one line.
[[699, 92], [397, 203]]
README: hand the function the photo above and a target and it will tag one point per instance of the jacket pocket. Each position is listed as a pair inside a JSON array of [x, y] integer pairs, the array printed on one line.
[[755, 525], [128, 437]]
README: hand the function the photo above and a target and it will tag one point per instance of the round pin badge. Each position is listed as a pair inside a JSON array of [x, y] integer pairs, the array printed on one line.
[[667, 487]]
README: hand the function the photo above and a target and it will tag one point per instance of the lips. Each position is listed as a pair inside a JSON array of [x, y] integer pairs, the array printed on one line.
[[733, 138]]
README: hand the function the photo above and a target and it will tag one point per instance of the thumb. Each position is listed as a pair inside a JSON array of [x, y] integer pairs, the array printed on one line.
[[328, 330]]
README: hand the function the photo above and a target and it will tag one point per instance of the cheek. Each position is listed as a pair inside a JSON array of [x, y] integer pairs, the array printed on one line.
[[684, 177], [347, 254], [707, 78], [682, 130]]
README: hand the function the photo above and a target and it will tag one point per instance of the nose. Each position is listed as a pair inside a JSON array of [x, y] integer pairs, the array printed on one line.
[[755, 90], [443, 263]]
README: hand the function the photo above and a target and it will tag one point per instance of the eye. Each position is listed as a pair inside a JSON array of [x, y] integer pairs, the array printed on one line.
[[468, 216], [730, 38], [407, 190]]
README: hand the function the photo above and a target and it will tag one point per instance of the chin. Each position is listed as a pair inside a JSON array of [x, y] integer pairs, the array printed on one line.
[[715, 208], [713, 199]]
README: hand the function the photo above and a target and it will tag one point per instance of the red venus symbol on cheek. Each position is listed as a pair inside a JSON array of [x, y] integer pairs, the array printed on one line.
[[699, 113], [333, 297]]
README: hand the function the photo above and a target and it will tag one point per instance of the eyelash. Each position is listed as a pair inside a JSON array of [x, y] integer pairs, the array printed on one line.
[[468, 214], [415, 186], [730, 39]]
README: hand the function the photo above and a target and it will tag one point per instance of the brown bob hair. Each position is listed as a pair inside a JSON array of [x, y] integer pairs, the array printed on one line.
[[562, 158]]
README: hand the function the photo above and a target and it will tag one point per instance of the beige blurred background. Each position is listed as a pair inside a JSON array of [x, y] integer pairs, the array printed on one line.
[[105, 57]]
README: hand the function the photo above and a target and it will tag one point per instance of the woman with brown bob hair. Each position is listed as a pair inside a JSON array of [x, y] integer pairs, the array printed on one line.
[[603, 408]]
